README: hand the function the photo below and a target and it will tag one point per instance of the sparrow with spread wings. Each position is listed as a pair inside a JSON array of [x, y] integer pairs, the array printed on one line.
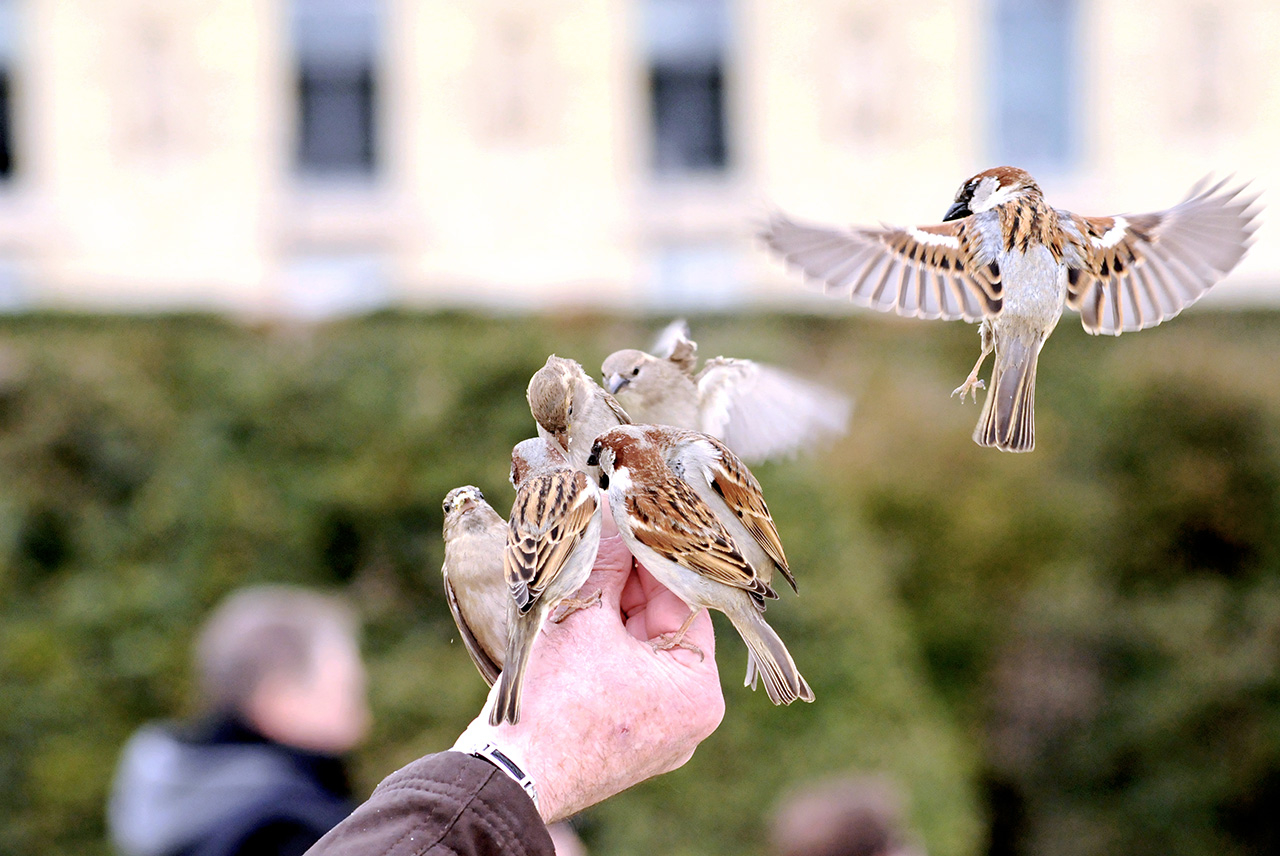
[[1003, 257], [759, 411]]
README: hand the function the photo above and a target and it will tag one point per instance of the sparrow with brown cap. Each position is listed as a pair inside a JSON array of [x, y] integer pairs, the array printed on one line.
[[1004, 257]]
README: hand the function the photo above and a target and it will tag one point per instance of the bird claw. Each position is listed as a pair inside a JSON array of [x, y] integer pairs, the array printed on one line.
[[668, 641], [969, 387], [570, 605]]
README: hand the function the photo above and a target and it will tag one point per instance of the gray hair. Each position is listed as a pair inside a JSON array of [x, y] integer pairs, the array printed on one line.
[[261, 632]]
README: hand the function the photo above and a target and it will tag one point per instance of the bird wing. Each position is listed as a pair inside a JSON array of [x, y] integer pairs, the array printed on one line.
[[674, 522], [945, 271], [489, 670], [1134, 271], [675, 343], [615, 408], [548, 521], [740, 491], [762, 412]]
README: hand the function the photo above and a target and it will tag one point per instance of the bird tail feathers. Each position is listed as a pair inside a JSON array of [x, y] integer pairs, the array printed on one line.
[[769, 659], [1008, 420], [523, 630]]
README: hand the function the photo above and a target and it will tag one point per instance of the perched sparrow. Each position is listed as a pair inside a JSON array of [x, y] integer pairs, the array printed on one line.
[[1002, 256], [687, 546], [571, 408], [474, 539], [758, 411], [552, 537]]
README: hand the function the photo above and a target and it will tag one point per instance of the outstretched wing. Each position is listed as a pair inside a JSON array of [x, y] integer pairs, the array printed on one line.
[[946, 271], [1134, 271], [762, 412]]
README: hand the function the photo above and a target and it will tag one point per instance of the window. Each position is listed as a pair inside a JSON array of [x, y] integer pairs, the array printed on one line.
[[1033, 121], [8, 58], [337, 45], [686, 42]]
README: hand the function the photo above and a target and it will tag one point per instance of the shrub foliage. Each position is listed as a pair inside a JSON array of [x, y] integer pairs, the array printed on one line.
[[1067, 652]]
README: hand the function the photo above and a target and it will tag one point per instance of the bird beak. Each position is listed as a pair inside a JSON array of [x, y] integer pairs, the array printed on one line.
[[613, 383], [468, 504], [956, 211]]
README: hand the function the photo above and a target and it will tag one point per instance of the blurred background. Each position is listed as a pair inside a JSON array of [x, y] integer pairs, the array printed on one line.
[[274, 275]]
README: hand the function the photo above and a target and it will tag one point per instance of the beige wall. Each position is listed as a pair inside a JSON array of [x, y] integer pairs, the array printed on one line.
[[154, 138]]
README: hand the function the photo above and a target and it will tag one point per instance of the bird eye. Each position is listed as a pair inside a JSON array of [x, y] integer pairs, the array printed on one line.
[[635, 371]]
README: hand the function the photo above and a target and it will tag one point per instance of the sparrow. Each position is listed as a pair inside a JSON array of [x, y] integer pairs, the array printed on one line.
[[474, 539], [552, 536], [1003, 257], [761, 412], [570, 408], [685, 543]]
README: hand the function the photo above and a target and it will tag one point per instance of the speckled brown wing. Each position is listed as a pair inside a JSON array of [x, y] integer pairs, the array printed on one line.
[[742, 493], [670, 519], [1134, 271], [548, 521], [945, 271]]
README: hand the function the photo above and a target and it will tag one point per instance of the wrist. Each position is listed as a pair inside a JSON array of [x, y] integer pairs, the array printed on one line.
[[497, 746]]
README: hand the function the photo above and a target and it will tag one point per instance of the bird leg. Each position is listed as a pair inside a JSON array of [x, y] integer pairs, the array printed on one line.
[[972, 383], [667, 641], [570, 605]]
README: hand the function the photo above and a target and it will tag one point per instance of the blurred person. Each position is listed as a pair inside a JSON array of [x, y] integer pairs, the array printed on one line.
[[261, 772], [843, 816], [602, 711]]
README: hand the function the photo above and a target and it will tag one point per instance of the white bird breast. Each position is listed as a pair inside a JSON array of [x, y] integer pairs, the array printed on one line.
[[619, 481], [1035, 286]]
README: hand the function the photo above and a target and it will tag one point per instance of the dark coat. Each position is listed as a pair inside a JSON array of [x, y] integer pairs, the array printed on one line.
[[222, 789], [448, 804]]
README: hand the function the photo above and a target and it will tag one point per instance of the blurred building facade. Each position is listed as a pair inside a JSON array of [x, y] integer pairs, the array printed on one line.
[[316, 156]]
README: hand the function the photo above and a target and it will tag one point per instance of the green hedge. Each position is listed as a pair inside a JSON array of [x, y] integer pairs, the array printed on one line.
[[1068, 652]]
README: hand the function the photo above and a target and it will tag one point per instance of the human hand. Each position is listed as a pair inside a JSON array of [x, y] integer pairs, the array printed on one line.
[[602, 710]]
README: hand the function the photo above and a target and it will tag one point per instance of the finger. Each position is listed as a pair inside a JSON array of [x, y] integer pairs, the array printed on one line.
[[611, 570], [667, 613], [652, 610], [663, 611], [608, 527], [634, 597]]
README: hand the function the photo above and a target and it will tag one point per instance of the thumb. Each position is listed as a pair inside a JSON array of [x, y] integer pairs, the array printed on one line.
[[612, 567]]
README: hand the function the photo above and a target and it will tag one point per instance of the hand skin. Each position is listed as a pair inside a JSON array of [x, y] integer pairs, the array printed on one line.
[[602, 710]]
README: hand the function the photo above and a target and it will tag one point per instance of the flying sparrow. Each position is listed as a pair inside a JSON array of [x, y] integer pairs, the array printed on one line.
[[1002, 256], [761, 412], [552, 536], [570, 408], [682, 540], [474, 539]]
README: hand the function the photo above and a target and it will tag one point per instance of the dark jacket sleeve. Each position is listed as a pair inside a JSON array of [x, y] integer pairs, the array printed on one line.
[[448, 803]]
